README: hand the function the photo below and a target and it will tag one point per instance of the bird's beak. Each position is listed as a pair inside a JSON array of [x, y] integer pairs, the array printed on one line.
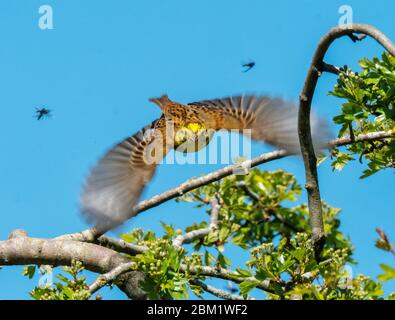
[[160, 101], [155, 100]]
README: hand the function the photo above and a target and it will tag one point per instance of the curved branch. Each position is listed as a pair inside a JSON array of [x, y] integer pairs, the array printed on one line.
[[306, 96], [207, 179]]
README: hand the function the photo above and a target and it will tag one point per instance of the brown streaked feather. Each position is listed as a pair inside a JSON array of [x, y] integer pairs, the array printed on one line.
[[116, 182]]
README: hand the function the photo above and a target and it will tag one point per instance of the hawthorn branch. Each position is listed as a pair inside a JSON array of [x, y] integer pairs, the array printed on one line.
[[207, 179], [20, 249], [225, 274], [371, 136], [201, 233], [330, 68], [88, 235], [120, 245], [110, 276], [304, 130]]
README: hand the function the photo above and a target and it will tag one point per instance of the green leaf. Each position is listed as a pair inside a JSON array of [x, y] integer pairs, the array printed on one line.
[[321, 159], [263, 274], [246, 287], [208, 258], [389, 273], [341, 160], [223, 261], [299, 254], [284, 267], [223, 234], [212, 237], [243, 273], [29, 271], [127, 237], [168, 229]]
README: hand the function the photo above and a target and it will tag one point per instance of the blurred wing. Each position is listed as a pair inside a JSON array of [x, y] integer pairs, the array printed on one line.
[[115, 184], [272, 120]]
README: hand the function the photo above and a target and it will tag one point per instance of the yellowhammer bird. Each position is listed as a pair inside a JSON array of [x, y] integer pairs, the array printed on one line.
[[116, 182]]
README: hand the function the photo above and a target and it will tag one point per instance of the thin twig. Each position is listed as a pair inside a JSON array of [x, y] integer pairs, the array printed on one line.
[[200, 233], [207, 179], [330, 68], [222, 294], [225, 274], [254, 196], [108, 277], [370, 136], [304, 130], [214, 201]]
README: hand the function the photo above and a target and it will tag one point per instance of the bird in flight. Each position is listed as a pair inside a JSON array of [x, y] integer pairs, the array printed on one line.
[[116, 182], [248, 66], [42, 113]]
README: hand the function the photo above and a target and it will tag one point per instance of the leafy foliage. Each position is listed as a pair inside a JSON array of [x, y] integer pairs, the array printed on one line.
[[253, 215], [161, 264], [369, 106]]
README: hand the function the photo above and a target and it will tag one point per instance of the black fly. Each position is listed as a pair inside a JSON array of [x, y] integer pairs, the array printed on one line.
[[42, 113], [248, 66]]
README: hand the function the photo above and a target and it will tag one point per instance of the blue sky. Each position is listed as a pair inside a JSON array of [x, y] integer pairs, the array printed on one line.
[[102, 61]]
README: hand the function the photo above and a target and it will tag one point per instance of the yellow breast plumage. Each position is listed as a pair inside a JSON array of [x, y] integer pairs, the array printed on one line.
[[192, 137]]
